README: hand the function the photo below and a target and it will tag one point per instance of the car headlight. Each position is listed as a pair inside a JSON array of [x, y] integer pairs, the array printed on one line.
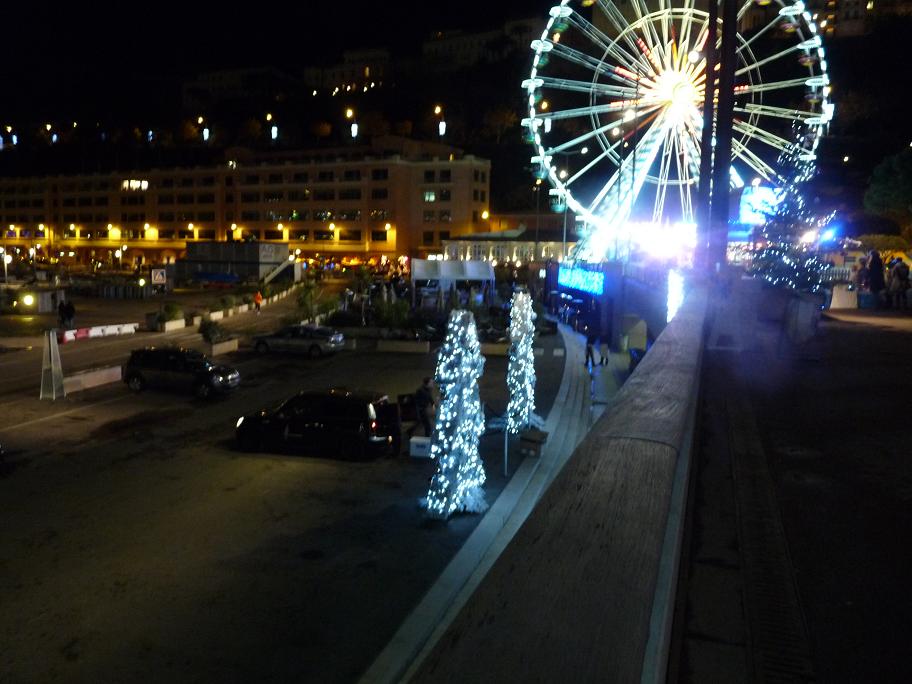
[[238, 424]]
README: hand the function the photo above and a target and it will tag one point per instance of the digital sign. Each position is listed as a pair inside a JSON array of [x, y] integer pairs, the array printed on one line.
[[592, 282]]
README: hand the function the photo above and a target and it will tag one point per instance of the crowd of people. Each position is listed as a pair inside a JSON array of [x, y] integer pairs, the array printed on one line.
[[889, 282]]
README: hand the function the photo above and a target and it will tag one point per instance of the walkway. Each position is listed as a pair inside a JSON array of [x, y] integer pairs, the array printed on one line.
[[569, 420], [803, 508]]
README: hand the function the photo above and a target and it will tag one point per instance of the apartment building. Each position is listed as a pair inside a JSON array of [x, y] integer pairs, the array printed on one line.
[[390, 197]]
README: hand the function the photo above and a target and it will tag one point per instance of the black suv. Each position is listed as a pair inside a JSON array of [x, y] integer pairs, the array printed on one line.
[[336, 422], [178, 368]]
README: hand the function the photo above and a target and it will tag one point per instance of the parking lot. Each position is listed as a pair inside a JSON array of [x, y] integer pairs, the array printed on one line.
[[140, 545]]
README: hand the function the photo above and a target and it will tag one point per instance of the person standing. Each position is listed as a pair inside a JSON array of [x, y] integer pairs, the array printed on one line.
[[590, 346], [62, 313], [861, 275], [258, 301], [424, 404], [70, 313], [876, 275]]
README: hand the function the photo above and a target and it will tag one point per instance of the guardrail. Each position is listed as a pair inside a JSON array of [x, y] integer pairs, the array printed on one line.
[[585, 590]]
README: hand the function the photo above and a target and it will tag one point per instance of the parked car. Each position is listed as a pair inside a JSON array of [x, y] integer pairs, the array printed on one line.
[[313, 340], [335, 422], [180, 369]]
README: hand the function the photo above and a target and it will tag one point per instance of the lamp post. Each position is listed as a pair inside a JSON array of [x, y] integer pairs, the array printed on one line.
[[7, 259]]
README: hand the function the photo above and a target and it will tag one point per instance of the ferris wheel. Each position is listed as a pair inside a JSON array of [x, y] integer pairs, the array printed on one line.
[[616, 98]]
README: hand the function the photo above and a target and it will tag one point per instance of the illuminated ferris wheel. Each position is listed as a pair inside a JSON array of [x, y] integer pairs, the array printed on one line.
[[616, 98]]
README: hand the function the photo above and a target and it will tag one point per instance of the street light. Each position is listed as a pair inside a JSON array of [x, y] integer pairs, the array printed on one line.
[[7, 260]]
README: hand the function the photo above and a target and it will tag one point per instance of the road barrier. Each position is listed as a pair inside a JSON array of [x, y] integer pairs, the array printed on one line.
[[91, 378], [64, 336]]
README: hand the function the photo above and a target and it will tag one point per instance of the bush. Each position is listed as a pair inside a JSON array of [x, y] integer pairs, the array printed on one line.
[[170, 312], [344, 318], [227, 301], [212, 332], [391, 314], [247, 299]]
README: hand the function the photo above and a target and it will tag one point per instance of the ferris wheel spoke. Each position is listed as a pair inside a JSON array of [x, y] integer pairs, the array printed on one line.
[[741, 151], [558, 149], [617, 18], [577, 112], [685, 164], [575, 56], [764, 136], [604, 89], [602, 41], [668, 151], [775, 85], [805, 116], [772, 58], [608, 153]]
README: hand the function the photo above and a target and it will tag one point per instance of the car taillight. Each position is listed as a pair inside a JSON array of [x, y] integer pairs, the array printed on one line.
[[373, 425]]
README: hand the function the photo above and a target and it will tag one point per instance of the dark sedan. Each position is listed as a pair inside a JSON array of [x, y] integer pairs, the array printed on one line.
[[336, 422]]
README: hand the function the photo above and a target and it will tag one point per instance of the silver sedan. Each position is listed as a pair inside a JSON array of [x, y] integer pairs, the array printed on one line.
[[313, 340]]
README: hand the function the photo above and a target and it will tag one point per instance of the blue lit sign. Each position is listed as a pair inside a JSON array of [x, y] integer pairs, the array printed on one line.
[[758, 204], [592, 282]]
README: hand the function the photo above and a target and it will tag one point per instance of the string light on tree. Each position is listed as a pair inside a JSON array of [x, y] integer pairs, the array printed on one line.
[[458, 484], [521, 370]]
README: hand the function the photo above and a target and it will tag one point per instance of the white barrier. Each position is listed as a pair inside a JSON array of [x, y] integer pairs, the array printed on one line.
[[91, 378]]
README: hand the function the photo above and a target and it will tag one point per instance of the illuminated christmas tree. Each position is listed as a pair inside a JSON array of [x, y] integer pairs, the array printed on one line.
[[458, 484], [521, 371]]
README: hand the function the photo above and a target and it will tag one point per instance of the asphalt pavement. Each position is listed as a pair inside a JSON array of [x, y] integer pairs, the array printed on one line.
[[139, 545]]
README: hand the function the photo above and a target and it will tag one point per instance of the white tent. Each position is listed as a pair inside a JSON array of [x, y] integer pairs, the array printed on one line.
[[449, 273]]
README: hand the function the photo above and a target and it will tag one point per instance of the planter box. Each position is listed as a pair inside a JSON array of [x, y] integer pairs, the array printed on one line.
[[91, 378], [168, 326], [243, 308], [194, 321], [225, 347], [403, 346], [215, 315], [495, 348]]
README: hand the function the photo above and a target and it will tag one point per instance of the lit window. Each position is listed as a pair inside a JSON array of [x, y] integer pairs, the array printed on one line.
[[430, 196]]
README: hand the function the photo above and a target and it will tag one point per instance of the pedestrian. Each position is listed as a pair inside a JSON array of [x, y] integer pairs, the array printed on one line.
[[62, 313], [603, 352], [899, 283], [876, 275], [424, 404], [70, 312], [590, 356], [861, 275], [258, 301]]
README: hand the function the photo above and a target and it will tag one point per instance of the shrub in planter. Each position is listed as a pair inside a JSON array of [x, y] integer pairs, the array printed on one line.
[[170, 312], [247, 298], [227, 302], [344, 319], [212, 332]]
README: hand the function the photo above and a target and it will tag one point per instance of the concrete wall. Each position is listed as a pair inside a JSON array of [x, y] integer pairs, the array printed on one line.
[[585, 590]]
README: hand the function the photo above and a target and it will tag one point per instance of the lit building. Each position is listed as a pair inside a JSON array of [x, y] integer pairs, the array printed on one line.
[[527, 238], [391, 196]]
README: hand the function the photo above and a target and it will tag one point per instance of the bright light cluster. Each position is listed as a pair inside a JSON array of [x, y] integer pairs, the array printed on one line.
[[581, 279], [521, 370], [458, 484]]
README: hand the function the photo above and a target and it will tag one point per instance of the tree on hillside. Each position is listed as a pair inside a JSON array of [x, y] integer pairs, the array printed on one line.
[[890, 191]]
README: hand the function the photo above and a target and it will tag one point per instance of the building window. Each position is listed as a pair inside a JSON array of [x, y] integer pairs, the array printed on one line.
[[251, 180], [323, 235], [166, 216], [446, 176], [475, 195], [352, 175], [186, 182], [380, 193], [208, 181], [349, 215], [444, 195], [323, 215], [83, 202], [101, 201], [475, 175], [429, 176], [428, 237], [445, 216], [250, 216], [276, 178], [484, 196], [166, 199], [326, 176], [206, 198], [300, 235], [301, 177], [380, 174], [272, 234], [273, 196], [167, 182], [380, 214], [250, 197], [206, 215], [430, 196], [325, 195], [349, 235], [378, 236], [67, 202], [429, 217], [298, 195], [484, 176], [444, 235], [185, 199], [350, 194]]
